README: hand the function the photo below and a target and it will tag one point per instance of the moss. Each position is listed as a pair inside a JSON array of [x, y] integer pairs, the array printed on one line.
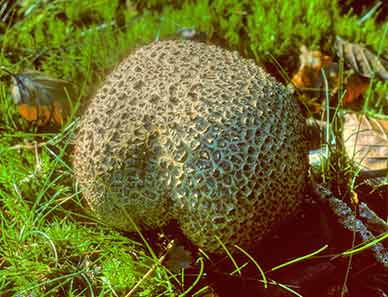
[[79, 41]]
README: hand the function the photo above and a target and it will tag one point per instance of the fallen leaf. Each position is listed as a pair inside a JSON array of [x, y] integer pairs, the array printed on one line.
[[362, 60], [178, 258], [356, 85], [187, 33], [309, 76], [365, 64], [40, 98], [366, 143]]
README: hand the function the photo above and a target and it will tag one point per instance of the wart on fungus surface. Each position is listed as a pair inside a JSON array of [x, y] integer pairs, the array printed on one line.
[[194, 133]]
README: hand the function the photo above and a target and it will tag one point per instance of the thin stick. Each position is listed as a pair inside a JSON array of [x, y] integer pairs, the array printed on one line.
[[350, 222], [151, 270]]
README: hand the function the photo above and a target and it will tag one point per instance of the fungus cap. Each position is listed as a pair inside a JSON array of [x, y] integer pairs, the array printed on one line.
[[192, 132]]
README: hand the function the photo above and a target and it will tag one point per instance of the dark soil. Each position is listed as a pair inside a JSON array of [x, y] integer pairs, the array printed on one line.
[[321, 276]]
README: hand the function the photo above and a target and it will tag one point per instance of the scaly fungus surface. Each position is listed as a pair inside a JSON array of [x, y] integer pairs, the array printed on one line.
[[195, 133]]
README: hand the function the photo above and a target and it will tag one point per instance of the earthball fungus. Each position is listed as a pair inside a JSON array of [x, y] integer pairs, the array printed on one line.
[[195, 133]]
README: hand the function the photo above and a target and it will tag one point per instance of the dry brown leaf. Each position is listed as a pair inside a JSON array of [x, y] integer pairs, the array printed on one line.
[[362, 60], [40, 98], [178, 258], [310, 80], [308, 75], [356, 85], [366, 143]]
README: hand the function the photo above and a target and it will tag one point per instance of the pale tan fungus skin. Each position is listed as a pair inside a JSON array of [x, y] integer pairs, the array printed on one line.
[[194, 133]]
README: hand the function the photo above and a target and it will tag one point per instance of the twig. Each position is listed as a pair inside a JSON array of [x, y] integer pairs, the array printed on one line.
[[38, 167], [372, 218], [28, 146], [151, 270], [349, 221]]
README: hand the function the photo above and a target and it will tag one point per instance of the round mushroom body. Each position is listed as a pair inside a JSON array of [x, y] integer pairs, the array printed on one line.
[[195, 133]]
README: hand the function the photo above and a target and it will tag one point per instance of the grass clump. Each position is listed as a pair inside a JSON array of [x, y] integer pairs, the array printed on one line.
[[272, 32], [49, 245]]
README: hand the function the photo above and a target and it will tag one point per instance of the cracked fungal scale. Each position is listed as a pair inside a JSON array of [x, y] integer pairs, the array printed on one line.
[[194, 133]]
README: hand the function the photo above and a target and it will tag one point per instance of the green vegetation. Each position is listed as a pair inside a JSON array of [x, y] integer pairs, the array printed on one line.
[[49, 243]]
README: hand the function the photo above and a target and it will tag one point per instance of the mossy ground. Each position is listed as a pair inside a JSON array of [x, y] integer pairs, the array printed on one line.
[[50, 244]]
